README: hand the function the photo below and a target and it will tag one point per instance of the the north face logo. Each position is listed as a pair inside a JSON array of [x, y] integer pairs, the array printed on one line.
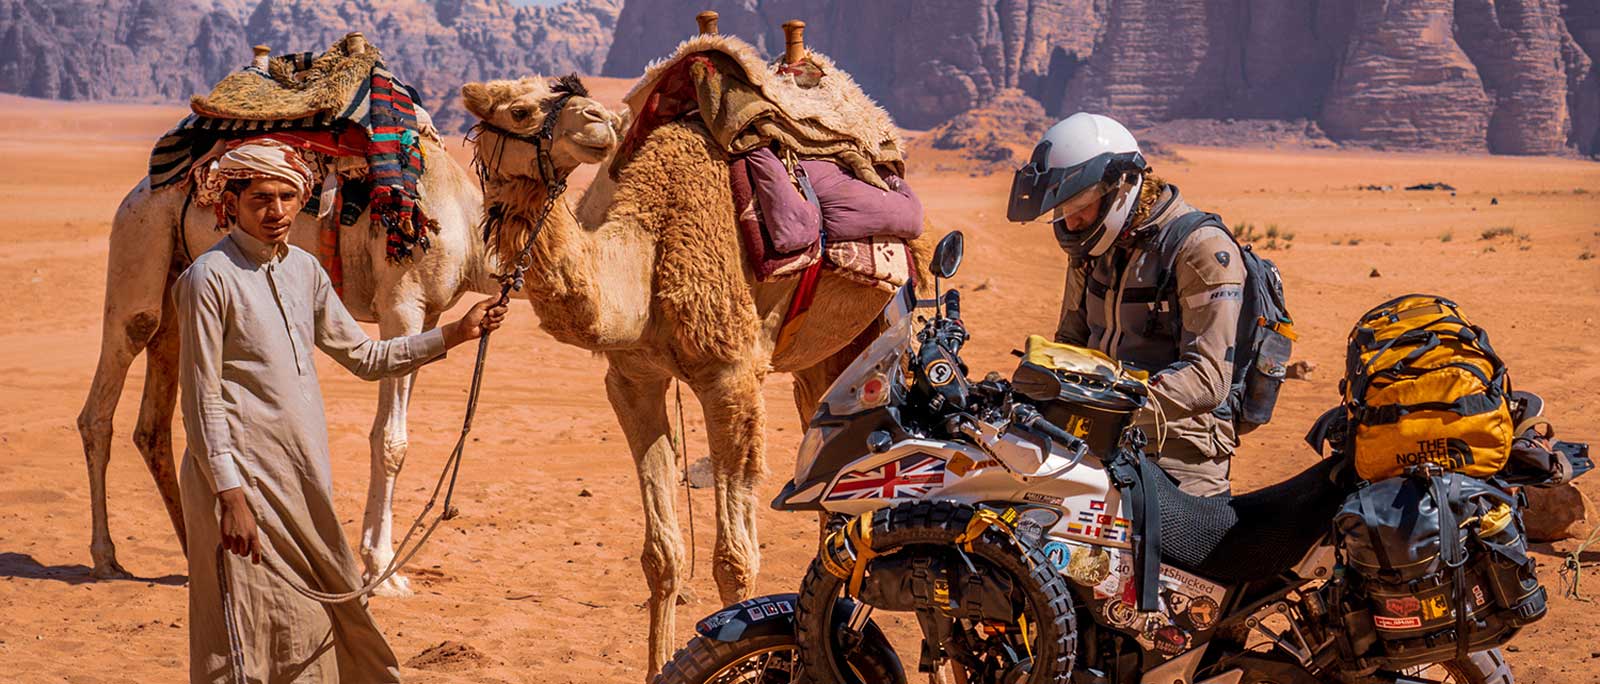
[[1447, 452]]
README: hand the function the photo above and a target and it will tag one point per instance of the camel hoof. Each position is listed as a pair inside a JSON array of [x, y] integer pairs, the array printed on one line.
[[109, 570], [397, 586]]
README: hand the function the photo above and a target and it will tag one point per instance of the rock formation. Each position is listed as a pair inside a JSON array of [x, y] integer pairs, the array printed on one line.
[[1508, 76], [1511, 76], [169, 50], [926, 60]]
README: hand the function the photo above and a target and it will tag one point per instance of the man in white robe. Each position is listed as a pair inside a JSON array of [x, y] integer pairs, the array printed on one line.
[[256, 478]]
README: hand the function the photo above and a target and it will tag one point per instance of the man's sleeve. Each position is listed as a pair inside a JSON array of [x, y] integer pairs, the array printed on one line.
[[339, 336], [1073, 327], [203, 316], [1210, 277]]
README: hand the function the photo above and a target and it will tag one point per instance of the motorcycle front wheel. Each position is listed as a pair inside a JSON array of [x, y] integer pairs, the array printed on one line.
[[770, 659], [928, 526]]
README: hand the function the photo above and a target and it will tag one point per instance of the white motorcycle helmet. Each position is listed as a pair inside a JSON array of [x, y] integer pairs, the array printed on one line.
[[1083, 159]]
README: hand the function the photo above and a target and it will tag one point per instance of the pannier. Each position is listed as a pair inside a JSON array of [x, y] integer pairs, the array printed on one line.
[[1438, 567]]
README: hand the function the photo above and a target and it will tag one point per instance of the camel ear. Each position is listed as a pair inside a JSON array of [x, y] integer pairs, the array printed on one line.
[[477, 99]]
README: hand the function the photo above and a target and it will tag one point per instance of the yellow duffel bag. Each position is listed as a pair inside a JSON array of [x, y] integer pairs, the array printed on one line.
[[1423, 385]]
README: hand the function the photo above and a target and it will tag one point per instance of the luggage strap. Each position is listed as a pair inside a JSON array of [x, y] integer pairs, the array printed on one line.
[[1132, 473], [1446, 488], [807, 290]]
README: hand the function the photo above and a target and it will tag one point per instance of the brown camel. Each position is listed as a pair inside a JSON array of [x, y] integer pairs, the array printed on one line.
[[648, 270], [150, 247]]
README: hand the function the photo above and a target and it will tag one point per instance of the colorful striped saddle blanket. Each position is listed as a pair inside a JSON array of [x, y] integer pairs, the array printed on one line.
[[355, 100]]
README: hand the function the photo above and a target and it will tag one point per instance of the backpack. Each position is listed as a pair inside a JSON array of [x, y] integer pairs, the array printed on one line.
[[1421, 385], [1437, 566], [1266, 331]]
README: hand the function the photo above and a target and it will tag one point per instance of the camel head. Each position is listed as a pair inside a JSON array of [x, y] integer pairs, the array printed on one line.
[[514, 113]]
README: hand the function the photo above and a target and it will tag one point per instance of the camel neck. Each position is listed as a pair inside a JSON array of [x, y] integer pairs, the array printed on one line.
[[560, 279]]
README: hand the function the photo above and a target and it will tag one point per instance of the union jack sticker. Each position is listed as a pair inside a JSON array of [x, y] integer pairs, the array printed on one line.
[[909, 477]]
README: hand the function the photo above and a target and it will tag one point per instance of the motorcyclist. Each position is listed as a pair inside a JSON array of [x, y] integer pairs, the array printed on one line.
[[1108, 212]]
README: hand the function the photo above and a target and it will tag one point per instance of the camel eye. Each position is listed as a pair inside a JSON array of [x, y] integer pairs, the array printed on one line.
[[519, 113]]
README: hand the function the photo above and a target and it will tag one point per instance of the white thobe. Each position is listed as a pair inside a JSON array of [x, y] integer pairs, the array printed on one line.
[[250, 314]]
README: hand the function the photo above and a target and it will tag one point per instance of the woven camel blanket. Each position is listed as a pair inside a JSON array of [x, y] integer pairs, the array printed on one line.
[[812, 109], [378, 108]]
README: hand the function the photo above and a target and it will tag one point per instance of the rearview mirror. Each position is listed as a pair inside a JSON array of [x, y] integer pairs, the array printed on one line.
[[947, 256]]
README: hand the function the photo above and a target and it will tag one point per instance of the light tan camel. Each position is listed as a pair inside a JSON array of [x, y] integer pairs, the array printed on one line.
[[147, 253], [648, 271]]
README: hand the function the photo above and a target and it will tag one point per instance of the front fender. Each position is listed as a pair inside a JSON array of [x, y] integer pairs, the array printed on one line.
[[759, 616], [771, 615]]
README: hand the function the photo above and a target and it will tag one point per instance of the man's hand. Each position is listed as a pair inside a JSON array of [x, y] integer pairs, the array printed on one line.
[[239, 533], [483, 318]]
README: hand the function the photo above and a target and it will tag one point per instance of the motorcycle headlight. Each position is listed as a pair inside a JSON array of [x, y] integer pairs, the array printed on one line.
[[872, 392]]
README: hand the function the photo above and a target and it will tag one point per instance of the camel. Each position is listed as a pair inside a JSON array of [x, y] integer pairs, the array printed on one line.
[[150, 246], [647, 270]]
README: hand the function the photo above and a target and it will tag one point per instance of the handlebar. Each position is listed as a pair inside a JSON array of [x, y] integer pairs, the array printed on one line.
[[1029, 417], [952, 305]]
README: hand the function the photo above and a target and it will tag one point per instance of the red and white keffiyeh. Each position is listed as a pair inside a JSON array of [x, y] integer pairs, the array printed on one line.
[[256, 158]]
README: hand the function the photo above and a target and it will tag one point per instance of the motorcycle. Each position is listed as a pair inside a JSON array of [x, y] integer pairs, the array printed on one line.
[[1020, 524]]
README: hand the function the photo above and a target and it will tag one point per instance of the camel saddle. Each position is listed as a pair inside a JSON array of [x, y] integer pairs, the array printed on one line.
[[293, 87], [344, 110], [811, 109]]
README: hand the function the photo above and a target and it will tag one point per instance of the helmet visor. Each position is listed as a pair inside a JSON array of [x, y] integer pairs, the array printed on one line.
[[1037, 188], [1090, 198]]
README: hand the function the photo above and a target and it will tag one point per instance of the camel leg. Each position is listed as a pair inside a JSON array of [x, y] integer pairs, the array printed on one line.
[[389, 445], [136, 276], [735, 423], [153, 435], [121, 341], [638, 394]]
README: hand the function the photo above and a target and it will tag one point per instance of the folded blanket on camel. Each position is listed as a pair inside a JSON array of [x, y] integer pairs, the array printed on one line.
[[747, 105], [821, 120], [882, 261], [846, 208], [348, 96]]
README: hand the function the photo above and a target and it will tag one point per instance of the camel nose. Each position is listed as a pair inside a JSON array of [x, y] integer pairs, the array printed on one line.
[[595, 114]]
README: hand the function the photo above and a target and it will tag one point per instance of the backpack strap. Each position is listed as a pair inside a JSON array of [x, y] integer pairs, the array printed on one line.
[[1329, 430], [1171, 240]]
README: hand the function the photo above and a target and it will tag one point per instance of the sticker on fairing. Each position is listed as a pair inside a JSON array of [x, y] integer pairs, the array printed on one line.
[[1033, 523], [1058, 554]]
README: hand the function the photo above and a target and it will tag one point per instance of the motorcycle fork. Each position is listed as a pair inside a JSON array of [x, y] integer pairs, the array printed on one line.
[[855, 627]]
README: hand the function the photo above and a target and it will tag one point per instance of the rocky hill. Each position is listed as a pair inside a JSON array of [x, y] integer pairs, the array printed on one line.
[[168, 50], [1509, 76]]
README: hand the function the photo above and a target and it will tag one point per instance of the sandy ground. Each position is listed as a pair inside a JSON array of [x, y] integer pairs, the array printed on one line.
[[544, 583]]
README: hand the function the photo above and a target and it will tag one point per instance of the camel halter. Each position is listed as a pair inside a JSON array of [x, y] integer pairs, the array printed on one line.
[[566, 88], [509, 282]]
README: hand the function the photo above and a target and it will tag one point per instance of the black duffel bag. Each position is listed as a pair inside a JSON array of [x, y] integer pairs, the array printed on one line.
[[1438, 564]]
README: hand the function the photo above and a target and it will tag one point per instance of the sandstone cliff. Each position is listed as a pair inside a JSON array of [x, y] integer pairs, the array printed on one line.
[[168, 50], [926, 60], [1511, 76]]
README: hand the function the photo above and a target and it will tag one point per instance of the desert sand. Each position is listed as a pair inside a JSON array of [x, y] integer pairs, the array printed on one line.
[[540, 575]]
